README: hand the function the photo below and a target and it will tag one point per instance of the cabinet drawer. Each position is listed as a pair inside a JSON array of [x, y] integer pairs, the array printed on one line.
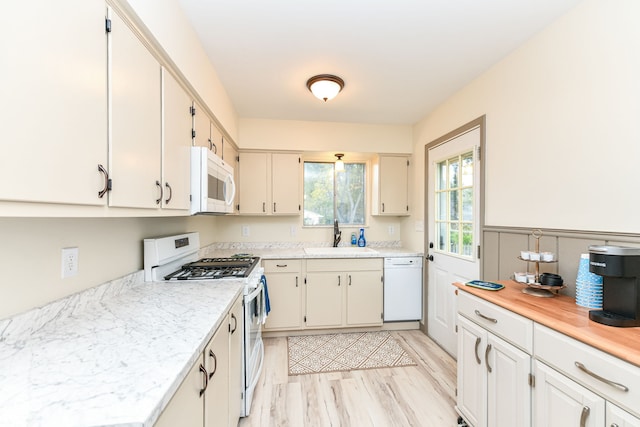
[[282, 265], [512, 327], [563, 352], [344, 264]]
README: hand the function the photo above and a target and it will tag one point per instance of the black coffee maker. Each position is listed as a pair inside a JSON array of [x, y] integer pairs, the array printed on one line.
[[619, 267]]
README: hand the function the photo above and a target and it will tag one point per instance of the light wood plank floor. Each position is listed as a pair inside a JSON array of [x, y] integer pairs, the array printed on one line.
[[422, 395]]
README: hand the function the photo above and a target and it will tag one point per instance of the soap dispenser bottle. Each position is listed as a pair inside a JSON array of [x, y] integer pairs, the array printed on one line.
[[361, 240], [354, 239]]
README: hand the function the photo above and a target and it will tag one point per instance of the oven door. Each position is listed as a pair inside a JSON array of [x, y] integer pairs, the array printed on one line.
[[253, 346]]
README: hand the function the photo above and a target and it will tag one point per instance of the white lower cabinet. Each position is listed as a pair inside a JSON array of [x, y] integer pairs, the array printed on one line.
[[493, 379], [343, 292], [210, 394], [572, 384], [618, 417], [561, 402], [285, 294]]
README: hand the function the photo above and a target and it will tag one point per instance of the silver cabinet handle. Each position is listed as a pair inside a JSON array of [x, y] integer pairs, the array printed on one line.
[[274, 207], [490, 319], [584, 416], [264, 207], [206, 380], [349, 280], [215, 363], [383, 207], [296, 281], [478, 345], [486, 357], [168, 199], [159, 198], [614, 425], [599, 378], [107, 185], [338, 280]]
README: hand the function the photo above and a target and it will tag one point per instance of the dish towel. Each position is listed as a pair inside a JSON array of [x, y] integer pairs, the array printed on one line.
[[266, 302]]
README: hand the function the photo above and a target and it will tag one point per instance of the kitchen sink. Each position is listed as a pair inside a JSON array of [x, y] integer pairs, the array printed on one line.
[[342, 250]]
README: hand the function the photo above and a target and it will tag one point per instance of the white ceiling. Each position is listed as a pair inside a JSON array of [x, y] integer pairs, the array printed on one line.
[[399, 59]]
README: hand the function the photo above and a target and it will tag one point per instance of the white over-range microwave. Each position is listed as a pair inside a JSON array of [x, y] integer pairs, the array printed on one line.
[[212, 184]]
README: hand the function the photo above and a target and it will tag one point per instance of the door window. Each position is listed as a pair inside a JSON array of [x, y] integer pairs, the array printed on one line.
[[454, 205]]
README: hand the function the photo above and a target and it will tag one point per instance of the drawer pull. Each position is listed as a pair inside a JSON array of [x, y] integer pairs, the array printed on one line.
[[584, 416], [599, 378], [206, 379], [281, 265], [614, 425], [478, 345], [486, 357], [490, 319]]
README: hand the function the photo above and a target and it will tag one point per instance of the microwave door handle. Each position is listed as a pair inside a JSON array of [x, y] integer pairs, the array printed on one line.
[[228, 182]]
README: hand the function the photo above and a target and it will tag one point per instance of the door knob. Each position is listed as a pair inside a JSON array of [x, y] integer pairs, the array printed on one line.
[[430, 257]]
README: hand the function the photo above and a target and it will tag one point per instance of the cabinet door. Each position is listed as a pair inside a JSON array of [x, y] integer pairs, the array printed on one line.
[[236, 379], [509, 393], [472, 377], [324, 299], [57, 78], [285, 183], [561, 402], [364, 298], [216, 139], [186, 405], [176, 161], [201, 127], [216, 397], [285, 296], [394, 181], [253, 178], [135, 111], [618, 417]]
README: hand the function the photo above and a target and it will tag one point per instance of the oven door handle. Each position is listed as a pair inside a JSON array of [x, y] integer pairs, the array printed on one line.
[[255, 292], [256, 378]]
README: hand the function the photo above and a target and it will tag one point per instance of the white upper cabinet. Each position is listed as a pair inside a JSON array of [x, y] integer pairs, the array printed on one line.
[[54, 102], [135, 120], [269, 183], [176, 138], [390, 185], [205, 131]]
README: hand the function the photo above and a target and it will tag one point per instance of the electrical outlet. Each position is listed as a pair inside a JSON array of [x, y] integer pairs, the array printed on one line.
[[69, 262], [293, 231], [391, 230], [245, 231]]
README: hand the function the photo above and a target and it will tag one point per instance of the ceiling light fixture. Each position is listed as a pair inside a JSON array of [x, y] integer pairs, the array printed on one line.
[[325, 86], [339, 163]]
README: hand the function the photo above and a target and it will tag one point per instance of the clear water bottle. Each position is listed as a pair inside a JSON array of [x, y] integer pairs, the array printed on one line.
[[361, 240]]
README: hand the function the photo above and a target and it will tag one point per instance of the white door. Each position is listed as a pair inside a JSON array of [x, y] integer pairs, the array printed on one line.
[[453, 212]]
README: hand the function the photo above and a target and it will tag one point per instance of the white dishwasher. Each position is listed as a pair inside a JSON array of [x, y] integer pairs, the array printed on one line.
[[402, 289]]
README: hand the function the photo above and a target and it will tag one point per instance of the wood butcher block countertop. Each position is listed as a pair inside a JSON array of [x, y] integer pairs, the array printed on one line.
[[563, 315]]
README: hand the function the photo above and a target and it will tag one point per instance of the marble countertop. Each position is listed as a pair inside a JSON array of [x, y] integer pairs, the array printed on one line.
[[327, 252], [114, 360]]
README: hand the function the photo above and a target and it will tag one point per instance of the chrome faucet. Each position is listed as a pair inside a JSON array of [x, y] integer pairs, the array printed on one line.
[[336, 234]]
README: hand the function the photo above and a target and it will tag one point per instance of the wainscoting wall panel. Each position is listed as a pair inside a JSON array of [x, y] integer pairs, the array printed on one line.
[[502, 246]]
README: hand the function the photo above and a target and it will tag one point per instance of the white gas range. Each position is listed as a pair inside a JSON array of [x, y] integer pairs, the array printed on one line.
[[175, 258]]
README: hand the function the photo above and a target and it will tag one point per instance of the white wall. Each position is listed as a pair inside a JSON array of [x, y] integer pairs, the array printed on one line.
[[562, 134], [324, 136], [108, 248]]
